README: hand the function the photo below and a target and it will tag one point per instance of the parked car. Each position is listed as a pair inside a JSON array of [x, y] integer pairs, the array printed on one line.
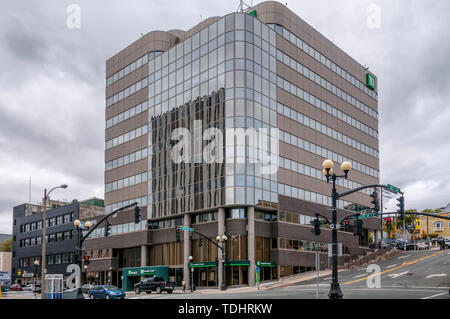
[[447, 243], [32, 287], [85, 288], [16, 287], [154, 284], [422, 245], [106, 292]]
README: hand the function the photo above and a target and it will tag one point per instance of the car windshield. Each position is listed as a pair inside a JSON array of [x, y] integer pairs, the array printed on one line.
[[111, 287]]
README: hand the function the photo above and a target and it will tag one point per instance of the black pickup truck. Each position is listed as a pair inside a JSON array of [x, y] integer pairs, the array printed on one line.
[[154, 284]]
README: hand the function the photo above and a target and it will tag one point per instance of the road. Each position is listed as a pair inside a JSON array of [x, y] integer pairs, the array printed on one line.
[[411, 275]]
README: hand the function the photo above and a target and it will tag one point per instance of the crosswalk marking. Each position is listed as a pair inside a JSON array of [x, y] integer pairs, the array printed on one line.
[[399, 274], [391, 266], [435, 275], [436, 295], [392, 269]]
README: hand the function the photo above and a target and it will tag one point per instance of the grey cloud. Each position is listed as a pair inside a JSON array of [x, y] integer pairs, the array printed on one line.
[[57, 130]]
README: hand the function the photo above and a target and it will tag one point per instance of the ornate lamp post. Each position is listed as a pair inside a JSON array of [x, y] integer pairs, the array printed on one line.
[[192, 273], [79, 254], [36, 264], [222, 240], [327, 165]]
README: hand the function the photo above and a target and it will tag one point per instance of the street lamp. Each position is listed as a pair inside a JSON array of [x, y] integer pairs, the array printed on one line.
[[192, 273], [222, 239], [44, 235], [327, 165], [79, 253], [36, 264]]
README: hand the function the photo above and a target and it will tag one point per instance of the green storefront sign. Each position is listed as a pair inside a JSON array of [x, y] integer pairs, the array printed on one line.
[[158, 271], [266, 264], [370, 81], [213, 263], [238, 263], [203, 264]]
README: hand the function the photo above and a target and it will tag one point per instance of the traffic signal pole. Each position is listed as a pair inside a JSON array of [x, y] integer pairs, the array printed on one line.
[[82, 238], [222, 249]]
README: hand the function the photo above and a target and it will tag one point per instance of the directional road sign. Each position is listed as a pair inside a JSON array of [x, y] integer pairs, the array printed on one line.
[[393, 188]]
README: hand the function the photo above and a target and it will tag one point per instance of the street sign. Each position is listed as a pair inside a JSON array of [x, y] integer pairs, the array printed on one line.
[[365, 216], [393, 188], [335, 226], [186, 228], [339, 250]]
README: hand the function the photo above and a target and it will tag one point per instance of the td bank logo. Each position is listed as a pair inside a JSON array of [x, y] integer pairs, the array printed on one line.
[[370, 81]]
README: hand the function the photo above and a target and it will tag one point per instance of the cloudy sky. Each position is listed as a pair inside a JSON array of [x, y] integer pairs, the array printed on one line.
[[52, 81]]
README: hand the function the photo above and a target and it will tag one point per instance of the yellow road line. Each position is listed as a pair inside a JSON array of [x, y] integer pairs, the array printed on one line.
[[401, 266]]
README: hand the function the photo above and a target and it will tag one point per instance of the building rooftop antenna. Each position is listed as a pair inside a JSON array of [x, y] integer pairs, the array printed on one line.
[[241, 6]]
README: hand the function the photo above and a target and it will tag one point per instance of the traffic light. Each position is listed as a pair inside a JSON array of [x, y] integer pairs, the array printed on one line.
[[178, 237], [388, 223], [401, 205], [86, 260], [137, 214], [200, 242], [316, 226], [357, 227], [375, 201], [107, 228], [346, 225]]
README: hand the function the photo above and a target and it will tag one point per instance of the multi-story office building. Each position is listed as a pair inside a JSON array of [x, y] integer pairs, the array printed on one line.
[[268, 70], [61, 234]]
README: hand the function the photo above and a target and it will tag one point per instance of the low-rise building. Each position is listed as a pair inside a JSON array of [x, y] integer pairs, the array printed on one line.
[[435, 225], [61, 238]]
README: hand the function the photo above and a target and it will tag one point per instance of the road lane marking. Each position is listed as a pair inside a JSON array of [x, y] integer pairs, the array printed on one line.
[[436, 295], [327, 278], [403, 256], [399, 274], [392, 269], [435, 275], [359, 276], [392, 266]]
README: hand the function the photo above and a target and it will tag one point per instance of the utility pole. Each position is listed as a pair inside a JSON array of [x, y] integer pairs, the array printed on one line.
[[381, 219], [44, 236], [317, 269]]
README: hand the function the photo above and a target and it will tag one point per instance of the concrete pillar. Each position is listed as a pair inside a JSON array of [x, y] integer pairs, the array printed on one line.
[[186, 252], [220, 232], [143, 255], [251, 245]]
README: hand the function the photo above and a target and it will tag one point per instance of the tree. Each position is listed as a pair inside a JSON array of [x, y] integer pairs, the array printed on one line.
[[6, 245]]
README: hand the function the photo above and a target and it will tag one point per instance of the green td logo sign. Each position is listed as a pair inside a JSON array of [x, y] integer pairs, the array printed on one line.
[[370, 81]]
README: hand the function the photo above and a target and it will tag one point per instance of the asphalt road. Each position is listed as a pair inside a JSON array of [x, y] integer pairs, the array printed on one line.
[[411, 275]]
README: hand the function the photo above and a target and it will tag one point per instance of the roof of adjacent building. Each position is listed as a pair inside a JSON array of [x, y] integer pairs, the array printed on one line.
[[445, 208]]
